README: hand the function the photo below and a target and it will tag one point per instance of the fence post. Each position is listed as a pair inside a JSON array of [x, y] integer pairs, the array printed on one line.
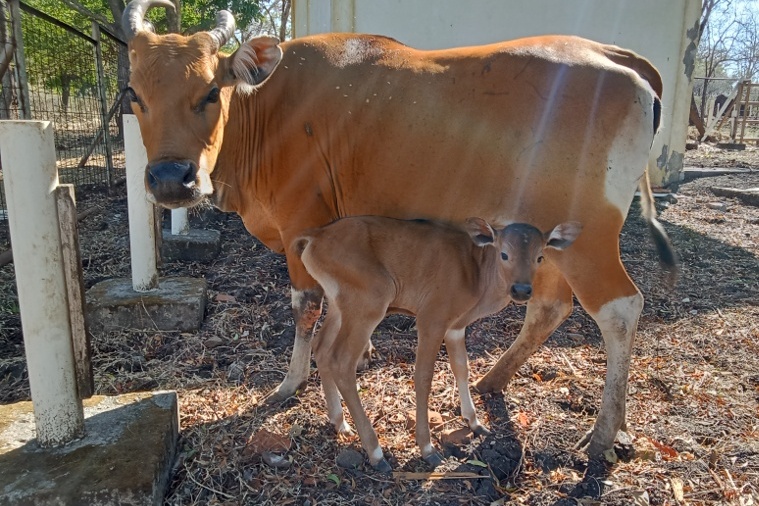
[[103, 105], [30, 180], [142, 230], [23, 83], [179, 223]]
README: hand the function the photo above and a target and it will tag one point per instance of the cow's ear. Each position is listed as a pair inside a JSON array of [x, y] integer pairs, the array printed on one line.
[[563, 235], [481, 233], [252, 63]]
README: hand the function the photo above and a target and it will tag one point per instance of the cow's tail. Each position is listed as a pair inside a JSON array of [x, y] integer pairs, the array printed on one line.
[[667, 255], [300, 244]]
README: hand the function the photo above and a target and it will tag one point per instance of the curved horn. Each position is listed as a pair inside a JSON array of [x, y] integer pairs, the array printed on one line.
[[225, 28], [133, 19]]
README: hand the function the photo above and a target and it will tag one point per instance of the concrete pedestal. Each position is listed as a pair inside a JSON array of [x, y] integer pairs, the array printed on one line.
[[198, 245], [124, 458], [177, 304]]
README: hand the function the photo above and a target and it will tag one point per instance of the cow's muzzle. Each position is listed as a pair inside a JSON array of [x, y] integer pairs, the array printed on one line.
[[172, 182], [521, 292]]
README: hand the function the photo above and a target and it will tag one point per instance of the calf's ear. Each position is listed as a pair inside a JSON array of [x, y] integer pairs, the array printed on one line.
[[252, 63], [481, 233], [563, 235]]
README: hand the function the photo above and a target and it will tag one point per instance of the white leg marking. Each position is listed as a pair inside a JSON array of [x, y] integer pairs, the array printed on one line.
[[376, 455], [454, 342], [617, 320]]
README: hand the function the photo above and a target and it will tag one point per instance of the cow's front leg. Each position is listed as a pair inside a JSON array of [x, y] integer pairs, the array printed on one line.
[[307, 308]]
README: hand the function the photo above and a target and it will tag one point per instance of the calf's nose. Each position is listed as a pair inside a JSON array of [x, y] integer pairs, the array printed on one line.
[[521, 292]]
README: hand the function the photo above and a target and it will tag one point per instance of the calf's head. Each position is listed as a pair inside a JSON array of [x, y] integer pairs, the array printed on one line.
[[180, 88], [518, 249]]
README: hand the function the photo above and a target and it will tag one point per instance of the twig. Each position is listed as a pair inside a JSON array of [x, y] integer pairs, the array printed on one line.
[[569, 364], [452, 475], [219, 492]]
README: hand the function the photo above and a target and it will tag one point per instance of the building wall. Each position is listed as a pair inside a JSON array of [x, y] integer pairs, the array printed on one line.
[[662, 31]]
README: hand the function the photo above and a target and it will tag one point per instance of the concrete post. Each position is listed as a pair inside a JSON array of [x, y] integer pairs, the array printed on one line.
[[180, 225], [28, 155], [142, 238]]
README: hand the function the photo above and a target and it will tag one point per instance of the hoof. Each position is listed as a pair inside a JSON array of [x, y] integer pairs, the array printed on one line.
[[486, 387], [282, 393], [434, 459], [481, 430], [383, 466], [366, 358]]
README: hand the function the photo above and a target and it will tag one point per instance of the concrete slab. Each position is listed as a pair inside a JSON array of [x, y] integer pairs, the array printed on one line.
[[749, 196], [178, 303], [125, 457], [199, 245], [690, 173]]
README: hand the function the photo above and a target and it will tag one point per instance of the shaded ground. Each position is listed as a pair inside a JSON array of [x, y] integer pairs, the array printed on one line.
[[692, 405]]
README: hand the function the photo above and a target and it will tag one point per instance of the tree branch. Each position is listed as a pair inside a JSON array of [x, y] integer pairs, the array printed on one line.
[[81, 9]]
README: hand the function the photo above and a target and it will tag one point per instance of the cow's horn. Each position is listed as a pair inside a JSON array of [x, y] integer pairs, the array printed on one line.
[[133, 19], [225, 28]]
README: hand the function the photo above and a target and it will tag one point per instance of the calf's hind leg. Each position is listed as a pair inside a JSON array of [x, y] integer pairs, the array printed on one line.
[[323, 342], [339, 362]]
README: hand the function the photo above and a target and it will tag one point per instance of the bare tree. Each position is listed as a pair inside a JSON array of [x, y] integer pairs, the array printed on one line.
[[275, 20]]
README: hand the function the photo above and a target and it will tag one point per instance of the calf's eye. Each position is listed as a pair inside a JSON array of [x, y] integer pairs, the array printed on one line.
[[504, 256], [540, 259], [213, 96]]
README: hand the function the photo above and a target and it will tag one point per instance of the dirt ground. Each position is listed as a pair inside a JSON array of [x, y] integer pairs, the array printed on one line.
[[693, 402]]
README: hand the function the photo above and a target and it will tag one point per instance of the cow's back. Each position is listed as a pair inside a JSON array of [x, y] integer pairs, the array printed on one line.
[[537, 130]]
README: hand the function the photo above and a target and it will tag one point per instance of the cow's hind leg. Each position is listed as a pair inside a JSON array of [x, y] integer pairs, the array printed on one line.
[[601, 284], [307, 308], [550, 305]]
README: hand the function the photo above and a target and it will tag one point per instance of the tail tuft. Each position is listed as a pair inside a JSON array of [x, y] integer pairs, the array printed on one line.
[[667, 256]]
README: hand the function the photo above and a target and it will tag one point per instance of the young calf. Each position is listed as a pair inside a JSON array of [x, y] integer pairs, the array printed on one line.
[[448, 277]]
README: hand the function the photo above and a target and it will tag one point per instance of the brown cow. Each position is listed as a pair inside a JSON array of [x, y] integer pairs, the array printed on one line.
[[291, 137], [370, 266]]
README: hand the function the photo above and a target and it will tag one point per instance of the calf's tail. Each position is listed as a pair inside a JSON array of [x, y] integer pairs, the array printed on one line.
[[667, 255]]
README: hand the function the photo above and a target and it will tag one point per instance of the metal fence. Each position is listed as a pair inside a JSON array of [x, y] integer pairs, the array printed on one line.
[[70, 78]]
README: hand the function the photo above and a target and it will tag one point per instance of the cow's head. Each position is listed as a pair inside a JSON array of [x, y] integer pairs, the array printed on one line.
[[520, 248], [180, 88]]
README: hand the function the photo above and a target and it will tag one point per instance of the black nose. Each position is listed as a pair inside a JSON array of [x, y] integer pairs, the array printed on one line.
[[521, 292], [171, 174]]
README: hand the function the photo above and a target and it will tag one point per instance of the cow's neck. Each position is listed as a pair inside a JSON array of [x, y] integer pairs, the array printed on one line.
[[231, 177]]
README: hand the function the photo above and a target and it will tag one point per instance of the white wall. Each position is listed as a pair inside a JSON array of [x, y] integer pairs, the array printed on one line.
[[661, 30]]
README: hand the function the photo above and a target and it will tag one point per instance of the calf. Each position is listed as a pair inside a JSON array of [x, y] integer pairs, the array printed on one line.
[[446, 276]]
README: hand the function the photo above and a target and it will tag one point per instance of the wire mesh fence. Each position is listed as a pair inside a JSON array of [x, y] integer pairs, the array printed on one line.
[[70, 78]]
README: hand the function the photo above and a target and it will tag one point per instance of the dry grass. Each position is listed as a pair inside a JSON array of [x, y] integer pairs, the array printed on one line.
[[692, 405]]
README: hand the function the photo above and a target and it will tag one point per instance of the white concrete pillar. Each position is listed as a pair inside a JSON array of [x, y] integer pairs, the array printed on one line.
[[30, 177], [142, 240], [180, 225]]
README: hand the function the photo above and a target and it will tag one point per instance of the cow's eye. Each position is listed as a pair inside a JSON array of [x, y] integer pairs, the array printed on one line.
[[540, 259], [132, 95], [504, 256], [213, 96]]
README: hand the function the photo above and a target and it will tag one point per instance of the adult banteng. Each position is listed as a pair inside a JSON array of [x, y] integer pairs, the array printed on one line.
[[292, 136]]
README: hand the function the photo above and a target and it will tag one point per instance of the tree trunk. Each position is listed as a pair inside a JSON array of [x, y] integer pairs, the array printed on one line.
[[283, 20], [65, 92], [695, 118]]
